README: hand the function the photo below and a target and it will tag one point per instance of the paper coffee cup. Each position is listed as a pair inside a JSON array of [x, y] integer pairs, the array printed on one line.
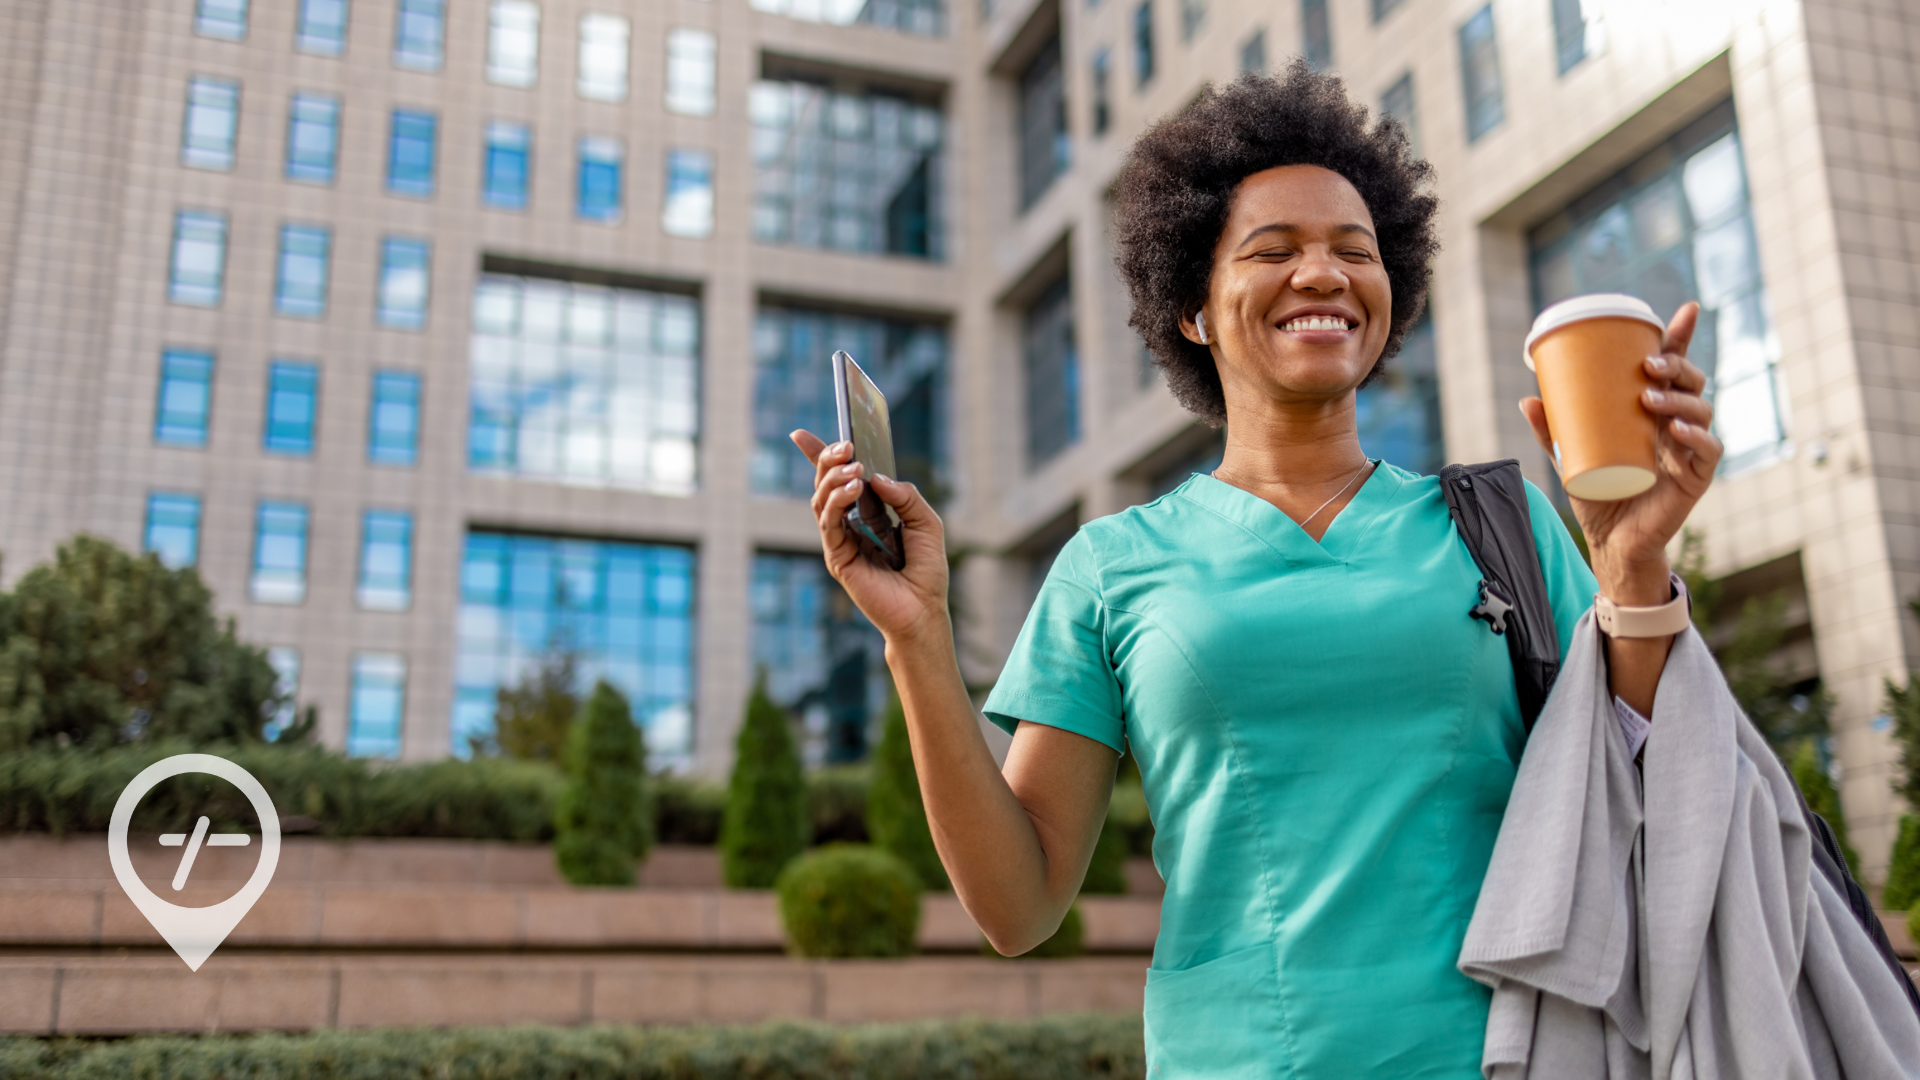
[[1589, 353]]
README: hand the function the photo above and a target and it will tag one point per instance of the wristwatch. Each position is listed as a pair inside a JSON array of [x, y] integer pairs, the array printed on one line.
[[1661, 620]]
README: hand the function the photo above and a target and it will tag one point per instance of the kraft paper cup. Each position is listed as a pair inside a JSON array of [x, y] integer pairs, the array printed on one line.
[[1589, 354]]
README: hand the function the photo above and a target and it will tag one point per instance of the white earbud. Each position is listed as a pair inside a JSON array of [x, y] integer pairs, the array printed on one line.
[[1200, 321]]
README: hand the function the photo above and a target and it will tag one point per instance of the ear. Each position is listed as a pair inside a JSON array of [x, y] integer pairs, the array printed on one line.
[[1190, 329]]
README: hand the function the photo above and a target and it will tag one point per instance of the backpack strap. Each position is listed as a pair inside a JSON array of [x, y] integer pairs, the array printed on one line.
[[1489, 507]]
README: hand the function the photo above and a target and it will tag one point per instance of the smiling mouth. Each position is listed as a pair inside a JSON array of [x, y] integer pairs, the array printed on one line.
[[1317, 322]]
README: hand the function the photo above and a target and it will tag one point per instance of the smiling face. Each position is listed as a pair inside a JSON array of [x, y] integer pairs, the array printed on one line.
[[1299, 305]]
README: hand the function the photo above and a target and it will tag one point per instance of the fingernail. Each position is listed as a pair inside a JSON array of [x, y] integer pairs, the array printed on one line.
[[1681, 427], [853, 483], [883, 476], [1655, 397]]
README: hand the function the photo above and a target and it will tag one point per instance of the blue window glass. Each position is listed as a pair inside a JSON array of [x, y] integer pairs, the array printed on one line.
[[420, 35], [323, 27], [1399, 414], [1316, 34], [823, 661], [599, 194], [279, 554], [386, 560], [584, 384], [199, 261], [1053, 375], [793, 388], [301, 287], [1101, 85], [1045, 149], [213, 119], [185, 401], [689, 207], [173, 528], [403, 283], [410, 153], [393, 422], [1578, 32], [377, 705], [509, 149], [624, 609], [313, 137], [1480, 74], [221, 19], [1143, 43], [1253, 54], [293, 401]]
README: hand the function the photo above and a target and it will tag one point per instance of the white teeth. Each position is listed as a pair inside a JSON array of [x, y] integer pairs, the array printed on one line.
[[1316, 322]]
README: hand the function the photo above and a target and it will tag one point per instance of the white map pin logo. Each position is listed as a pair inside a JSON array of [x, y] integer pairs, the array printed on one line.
[[193, 932]]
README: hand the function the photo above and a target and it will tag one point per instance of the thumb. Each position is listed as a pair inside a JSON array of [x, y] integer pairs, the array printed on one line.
[[905, 499]]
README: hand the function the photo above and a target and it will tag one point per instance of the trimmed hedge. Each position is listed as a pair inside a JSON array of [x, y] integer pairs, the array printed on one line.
[[849, 900], [1055, 1048]]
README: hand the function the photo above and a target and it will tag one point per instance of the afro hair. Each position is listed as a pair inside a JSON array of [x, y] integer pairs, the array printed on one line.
[[1174, 194]]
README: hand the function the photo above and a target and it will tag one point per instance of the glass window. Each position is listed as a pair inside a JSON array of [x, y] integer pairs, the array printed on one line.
[[286, 670], [393, 421], [585, 384], [403, 283], [1045, 150], [386, 560], [599, 179], [603, 57], [1253, 54], [509, 150], [173, 528], [301, 288], [420, 35], [1192, 14], [624, 609], [928, 17], [221, 19], [185, 400], [313, 137], [377, 706], [689, 206], [1143, 43], [1578, 32], [513, 42], [793, 388], [1102, 82], [690, 72], [293, 401], [410, 153], [280, 554], [1053, 375], [1398, 103], [1316, 34], [847, 171], [1382, 8], [323, 27], [199, 258], [1480, 74], [823, 661], [1673, 227], [213, 119], [1399, 414]]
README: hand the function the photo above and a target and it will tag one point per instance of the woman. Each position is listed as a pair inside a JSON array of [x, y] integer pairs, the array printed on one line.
[[1327, 739]]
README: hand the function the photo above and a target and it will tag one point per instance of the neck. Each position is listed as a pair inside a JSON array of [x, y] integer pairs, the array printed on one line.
[[1295, 455]]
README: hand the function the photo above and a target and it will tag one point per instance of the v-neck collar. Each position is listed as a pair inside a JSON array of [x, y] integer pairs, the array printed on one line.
[[1283, 534]]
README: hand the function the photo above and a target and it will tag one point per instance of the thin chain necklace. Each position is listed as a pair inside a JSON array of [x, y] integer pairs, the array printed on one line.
[[1337, 494]]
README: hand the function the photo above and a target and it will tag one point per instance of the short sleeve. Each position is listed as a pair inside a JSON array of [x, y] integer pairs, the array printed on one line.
[[1570, 584], [1060, 673]]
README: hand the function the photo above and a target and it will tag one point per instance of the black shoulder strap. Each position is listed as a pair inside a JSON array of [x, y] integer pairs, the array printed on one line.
[[1489, 506]]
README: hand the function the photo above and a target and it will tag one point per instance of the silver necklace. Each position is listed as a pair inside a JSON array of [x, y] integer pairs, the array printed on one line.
[[1337, 494]]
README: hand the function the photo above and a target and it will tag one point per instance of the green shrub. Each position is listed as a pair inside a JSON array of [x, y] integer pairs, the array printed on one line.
[[1107, 870], [1055, 1048], [1903, 876], [688, 809], [848, 900], [896, 818], [1817, 787], [1066, 943], [532, 717], [837, 803], [602, 822], [766, 820], [1128, 811]]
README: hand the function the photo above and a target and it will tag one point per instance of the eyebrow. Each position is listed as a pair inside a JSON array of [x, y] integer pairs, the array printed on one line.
[[1349, 227]]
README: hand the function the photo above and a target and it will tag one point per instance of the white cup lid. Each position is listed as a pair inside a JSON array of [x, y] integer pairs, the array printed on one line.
[[1592, 306]]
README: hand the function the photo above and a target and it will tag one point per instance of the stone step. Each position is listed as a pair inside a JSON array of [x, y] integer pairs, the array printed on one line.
[[92, 995]]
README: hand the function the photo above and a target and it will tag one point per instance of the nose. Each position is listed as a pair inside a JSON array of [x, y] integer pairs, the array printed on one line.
[[1319, 272]]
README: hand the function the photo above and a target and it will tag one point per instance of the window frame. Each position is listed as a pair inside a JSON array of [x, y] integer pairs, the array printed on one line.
[[383, 395], [1486, 105], [599, 194], [506, 21], [185, 511], [220, 25], [320, 39], [413, 137], [506, 140], [312, 112], [184, 369], [377, 589], [217, 154], [689, 182], [280, 584], [392, 267], [210, 288], [289, 384], [317, 240], [603, 63], [381, 673], [412, 50], [1143, 45], [691, 71]]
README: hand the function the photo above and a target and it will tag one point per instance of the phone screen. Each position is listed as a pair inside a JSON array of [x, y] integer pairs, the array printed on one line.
[[868, 427]]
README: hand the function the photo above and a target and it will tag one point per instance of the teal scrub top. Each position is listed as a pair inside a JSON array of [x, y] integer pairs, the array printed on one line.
[[1327, 740]]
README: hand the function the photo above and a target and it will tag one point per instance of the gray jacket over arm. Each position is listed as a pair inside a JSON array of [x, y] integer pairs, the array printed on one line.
[[1665, 921]]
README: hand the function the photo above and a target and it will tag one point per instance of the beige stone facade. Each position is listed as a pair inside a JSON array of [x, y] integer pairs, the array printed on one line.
[[1827, 106]]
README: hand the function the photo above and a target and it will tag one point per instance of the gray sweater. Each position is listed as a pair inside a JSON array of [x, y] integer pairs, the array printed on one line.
[[1665, 921]]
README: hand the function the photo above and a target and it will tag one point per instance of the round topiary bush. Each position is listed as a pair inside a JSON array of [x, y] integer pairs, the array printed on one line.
[[847, 900]]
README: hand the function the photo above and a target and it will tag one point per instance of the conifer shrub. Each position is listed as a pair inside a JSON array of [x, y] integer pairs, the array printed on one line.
[[766, 824], [896, 816], [1817, 787], [849, 900], [603, 821], [1067, 942], [1903, 875]]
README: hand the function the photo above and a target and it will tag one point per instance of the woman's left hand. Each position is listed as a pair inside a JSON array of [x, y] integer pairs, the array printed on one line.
[[1628, 538]]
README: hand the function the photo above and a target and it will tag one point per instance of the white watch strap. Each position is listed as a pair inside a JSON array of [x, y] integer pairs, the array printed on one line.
[[1663, 620]]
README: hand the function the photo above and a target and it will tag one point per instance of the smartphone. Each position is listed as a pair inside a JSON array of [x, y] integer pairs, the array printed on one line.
[[864, 423]]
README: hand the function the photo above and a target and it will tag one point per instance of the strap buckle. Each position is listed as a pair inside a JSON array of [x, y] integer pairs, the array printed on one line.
[[1492, 607]]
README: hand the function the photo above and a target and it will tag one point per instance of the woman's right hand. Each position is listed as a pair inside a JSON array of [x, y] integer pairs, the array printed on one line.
[[904, 605]]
